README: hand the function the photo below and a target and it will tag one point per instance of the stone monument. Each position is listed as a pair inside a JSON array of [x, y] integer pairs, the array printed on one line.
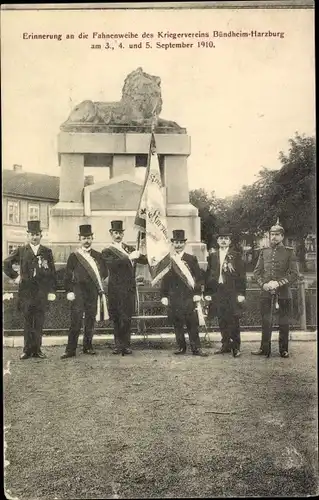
[[117, 135]]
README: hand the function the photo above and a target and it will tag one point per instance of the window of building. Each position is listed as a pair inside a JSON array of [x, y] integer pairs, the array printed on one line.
[[12, 247], [13, 212], [33, 211]]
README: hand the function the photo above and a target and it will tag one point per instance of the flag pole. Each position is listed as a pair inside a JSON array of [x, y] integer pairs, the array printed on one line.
[[153, 121], [140, 234]]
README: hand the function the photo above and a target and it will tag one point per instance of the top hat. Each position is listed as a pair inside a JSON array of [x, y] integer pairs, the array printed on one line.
[[34, 226], [277, 227], [85, 230], [224, 231], [178, 235], [117, 225]]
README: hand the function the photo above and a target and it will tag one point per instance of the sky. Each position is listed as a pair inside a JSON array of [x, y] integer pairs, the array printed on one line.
[[240, 101]]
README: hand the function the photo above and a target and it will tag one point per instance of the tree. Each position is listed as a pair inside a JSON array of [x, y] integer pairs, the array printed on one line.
[[212, 211], [250, 210], [294, 191], [287, 193]]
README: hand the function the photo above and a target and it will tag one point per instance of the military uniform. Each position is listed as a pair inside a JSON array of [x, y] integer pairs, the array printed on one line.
[[277, 263]]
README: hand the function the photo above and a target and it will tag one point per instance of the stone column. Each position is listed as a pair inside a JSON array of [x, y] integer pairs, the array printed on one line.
[[123, 165], [72, 177], [176, 179]]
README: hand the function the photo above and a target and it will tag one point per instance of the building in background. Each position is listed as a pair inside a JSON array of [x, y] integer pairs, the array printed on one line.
[[25, 196]]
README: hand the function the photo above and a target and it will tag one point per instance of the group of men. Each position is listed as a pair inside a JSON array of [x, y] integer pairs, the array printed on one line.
[[223, 287]]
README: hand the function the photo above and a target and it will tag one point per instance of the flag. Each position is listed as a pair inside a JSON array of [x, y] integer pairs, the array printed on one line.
[[151, 219]]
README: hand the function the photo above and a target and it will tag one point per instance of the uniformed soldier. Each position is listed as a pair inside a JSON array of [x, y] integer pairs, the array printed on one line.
[[275, 271]]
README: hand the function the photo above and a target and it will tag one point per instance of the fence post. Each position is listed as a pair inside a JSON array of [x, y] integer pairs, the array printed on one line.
[[302, 303]]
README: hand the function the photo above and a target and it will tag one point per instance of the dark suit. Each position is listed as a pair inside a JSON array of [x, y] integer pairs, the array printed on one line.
[[181, 307], [276, 263], [79, 281], [38, 279], [121, 291], [224, 295]]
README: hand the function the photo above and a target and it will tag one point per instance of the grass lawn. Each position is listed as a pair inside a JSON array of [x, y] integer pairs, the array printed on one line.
[[155, 425]]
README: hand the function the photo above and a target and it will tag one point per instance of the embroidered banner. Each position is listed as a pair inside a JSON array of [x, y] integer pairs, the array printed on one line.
[[151, 219]]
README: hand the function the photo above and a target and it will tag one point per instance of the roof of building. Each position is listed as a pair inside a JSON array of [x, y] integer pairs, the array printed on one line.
[[30, 184]]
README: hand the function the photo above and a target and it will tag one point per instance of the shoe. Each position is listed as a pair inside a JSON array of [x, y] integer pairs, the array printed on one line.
[[236, 353], [222, 350], [89, 351], [39, 354], [200, 353], [24, 355], [284, 354], [260, 352], [67, 355], [181, 350], [117, 350], [126, 350]]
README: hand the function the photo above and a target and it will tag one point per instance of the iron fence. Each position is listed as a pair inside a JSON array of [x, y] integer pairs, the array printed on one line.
[[151, 315]]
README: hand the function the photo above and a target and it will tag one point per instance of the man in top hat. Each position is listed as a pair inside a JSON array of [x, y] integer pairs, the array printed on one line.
[[181, 293], [37, 284], [120, 260], [225, 290], [84, 275], [275, 271]]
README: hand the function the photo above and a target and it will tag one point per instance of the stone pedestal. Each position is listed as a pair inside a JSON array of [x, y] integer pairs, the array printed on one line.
[[118, 197], [72, 177], [123, 165]]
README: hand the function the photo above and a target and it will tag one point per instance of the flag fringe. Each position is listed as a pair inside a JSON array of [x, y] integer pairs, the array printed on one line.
[[160, 275]]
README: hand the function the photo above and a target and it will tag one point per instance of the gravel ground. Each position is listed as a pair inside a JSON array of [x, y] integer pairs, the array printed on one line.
[[154, 425]]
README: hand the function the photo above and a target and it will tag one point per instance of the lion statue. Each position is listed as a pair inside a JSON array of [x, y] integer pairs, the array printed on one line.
[[140, 106]]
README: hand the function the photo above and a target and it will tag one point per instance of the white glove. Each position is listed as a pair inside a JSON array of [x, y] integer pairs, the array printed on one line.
[[164, 301], [266, 287], [134, 255], [70, 296], [273, 285], [196, 298], [208, 298], [51, 297], [17, 280], [241, 298]]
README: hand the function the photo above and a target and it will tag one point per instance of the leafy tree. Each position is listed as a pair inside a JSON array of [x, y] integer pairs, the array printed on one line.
[[213, 212], [287, 193], [250, 211], [294, 192]]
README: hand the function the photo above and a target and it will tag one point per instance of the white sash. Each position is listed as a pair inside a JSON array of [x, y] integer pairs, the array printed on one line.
[[120, 249], [200, 314], [190, 280], [101, 300], [184, 270]]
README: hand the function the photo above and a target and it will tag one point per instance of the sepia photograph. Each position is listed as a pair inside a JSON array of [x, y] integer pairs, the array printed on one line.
[[159, 250]]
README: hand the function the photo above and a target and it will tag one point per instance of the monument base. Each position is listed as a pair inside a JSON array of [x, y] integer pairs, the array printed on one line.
[[65, 219]]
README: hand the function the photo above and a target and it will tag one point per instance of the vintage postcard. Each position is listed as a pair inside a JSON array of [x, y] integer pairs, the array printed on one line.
[[159, 250]]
